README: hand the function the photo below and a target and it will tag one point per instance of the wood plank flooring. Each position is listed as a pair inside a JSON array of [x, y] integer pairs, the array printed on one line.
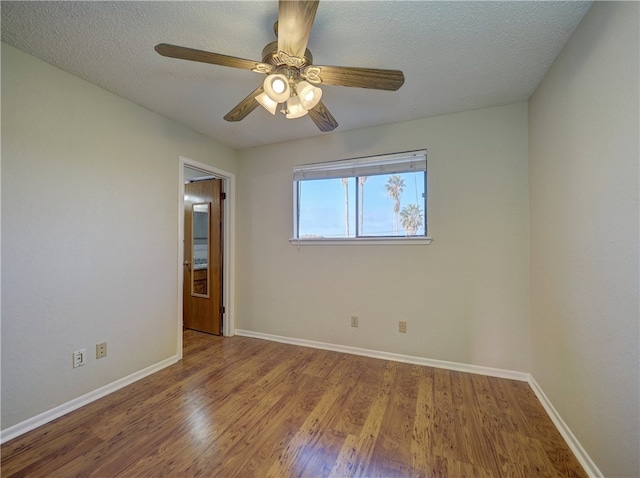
[[242, 407]]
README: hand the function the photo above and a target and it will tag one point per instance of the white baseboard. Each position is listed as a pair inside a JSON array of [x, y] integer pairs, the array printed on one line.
[[50, 415], [587, 463], [459, 367], [589, 466]]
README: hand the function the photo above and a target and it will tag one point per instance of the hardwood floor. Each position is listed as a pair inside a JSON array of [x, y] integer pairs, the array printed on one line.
[[244, 407]]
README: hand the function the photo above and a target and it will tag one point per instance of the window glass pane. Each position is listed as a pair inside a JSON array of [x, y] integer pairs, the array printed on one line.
[[392, 205], [327, 208]]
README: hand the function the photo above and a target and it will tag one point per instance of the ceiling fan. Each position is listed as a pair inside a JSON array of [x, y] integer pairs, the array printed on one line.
[[291, 76]]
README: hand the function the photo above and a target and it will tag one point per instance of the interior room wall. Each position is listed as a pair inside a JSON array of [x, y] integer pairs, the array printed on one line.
[[89, 234], [584, 236], [464, 296]]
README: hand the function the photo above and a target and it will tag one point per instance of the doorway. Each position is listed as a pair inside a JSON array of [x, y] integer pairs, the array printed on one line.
[[191, 171]]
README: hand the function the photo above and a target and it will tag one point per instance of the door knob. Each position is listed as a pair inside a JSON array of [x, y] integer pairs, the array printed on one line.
[[186, 263]]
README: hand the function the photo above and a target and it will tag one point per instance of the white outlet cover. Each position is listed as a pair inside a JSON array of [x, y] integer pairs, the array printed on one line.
[[79, 358]]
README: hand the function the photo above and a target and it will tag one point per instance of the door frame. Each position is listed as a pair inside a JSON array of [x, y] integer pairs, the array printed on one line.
[[228, 222]]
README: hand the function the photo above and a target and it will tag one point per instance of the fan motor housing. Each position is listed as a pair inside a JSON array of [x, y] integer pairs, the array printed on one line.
[[271, 56]]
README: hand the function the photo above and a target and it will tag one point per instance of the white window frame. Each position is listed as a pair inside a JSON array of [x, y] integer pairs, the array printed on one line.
[[403, 162]]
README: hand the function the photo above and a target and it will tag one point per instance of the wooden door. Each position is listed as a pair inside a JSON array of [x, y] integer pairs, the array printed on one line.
[[202, 294]]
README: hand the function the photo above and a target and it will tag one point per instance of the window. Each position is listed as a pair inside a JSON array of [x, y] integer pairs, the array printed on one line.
[[378, 197]]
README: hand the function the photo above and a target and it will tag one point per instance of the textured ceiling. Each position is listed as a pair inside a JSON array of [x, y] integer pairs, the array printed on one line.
[[455, 56]]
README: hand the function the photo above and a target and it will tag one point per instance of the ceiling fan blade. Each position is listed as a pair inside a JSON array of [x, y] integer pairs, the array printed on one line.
[[245, 107], [295, 19], [183, 53], [322, 118], [373, 78]]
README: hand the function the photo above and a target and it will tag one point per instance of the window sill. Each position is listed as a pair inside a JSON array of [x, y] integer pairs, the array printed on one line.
[[363, 241]]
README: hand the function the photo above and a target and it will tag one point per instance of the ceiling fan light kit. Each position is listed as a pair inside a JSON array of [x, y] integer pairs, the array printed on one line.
[[291, 77], [300, 96]]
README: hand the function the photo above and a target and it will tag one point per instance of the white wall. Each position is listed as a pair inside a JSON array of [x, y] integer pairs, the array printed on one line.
[[465, 296], [90, 234], [584, 152]]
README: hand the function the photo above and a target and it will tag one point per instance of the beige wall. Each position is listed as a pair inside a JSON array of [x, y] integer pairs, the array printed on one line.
[[465, 296], [89, 233], [584, 236]]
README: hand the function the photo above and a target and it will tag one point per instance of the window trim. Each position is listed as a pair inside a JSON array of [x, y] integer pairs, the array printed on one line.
[[356, 167], [352, 241]]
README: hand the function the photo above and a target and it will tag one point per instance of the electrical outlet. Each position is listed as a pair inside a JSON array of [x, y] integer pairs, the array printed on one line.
[[101, 350], [79, 357], [354, 321], [402, 326]]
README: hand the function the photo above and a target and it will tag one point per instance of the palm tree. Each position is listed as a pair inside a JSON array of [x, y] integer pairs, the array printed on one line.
[[411, 218], [394, 187], [361, 181], [345, 182]]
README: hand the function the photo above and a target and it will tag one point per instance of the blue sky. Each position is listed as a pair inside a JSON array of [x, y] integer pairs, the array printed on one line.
[[322, 206]]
